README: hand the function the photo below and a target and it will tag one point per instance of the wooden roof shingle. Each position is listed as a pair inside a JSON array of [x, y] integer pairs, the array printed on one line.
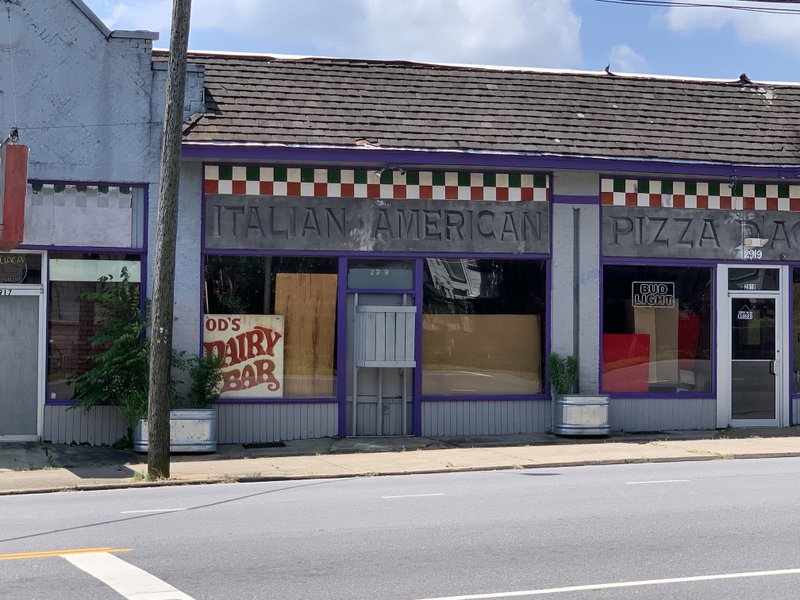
[[336, 102]]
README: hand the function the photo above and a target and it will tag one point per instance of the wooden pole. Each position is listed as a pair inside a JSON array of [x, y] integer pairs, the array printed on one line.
[[164, 288]]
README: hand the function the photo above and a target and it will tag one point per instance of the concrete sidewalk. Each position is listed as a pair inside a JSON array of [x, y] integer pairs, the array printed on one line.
[[35, 468]]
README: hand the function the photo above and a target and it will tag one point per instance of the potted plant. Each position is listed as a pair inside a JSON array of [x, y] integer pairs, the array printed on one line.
[[120, 373], [563, 374], [192, 429], [573, 413]]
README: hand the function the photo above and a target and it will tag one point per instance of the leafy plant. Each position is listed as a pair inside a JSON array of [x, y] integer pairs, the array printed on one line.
[[563, 373], [205, 371], [120, 373]]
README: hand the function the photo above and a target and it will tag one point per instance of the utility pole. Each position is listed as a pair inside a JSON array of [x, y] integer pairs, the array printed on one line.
[[164, 288]]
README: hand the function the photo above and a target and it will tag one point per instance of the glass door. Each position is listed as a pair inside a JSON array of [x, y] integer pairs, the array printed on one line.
[[755, 360], [21, 332]]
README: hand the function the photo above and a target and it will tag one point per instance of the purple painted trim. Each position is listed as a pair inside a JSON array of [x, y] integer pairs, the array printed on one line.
[[145, 241], [600, 297], [416, 407], [92, 249], [202, 260], [277, 401], [201, 325], [548, 296], [792, 333], [664, 396], [46, 304], [146, 218], [382, 291], [714, 331], [566, 199], [409, 158], [492, 398], [601, 312], [341, 347]]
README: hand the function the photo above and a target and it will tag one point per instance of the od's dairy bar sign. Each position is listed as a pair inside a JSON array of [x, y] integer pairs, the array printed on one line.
[[251, 347]]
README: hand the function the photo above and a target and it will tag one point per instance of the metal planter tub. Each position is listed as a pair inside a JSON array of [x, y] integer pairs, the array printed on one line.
[[580, 414], [191, 430]]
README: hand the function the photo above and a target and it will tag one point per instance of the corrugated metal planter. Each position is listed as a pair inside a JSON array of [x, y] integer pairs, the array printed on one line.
[[580, 414], [190, 430]]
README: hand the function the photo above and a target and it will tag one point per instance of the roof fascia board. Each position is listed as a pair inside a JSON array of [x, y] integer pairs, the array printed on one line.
[[135, 35], [409, 158], [107, 33], [477, 67]]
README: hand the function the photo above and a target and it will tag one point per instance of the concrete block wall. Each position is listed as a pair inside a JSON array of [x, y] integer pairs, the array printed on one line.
[[80, 99]]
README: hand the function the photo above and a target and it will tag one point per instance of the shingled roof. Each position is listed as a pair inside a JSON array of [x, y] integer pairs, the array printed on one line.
[[340, 103]]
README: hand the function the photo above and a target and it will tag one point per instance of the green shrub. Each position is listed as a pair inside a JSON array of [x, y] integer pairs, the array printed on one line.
[[205, 371], [121, 363], [563, 373]]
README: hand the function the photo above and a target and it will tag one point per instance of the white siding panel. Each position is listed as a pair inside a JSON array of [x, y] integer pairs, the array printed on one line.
[[254, 423], [661, 414], [485, 417], [102, 425]]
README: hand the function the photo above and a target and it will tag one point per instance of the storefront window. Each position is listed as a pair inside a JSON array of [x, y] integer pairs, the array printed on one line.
[[482, 327], [72, 319], [273, 319], [657, 329], [20, 268]]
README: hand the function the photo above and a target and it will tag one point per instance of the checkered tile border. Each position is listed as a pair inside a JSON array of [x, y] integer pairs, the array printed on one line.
[[79, 196], [386, 184], [699, 194]]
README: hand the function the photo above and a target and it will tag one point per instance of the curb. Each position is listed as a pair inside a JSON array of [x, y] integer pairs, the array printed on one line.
[[268, 478]]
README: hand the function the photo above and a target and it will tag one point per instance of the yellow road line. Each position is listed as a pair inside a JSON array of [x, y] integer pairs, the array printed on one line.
[[46, 553]]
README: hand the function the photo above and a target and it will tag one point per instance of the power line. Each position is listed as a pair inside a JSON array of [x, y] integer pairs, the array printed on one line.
[[743, 7]]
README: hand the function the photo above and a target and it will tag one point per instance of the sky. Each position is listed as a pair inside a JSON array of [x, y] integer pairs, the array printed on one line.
[[587, 35]]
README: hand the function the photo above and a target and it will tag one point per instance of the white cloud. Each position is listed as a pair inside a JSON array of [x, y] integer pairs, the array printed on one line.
[[537, 33], [625, 59], [753, 27]]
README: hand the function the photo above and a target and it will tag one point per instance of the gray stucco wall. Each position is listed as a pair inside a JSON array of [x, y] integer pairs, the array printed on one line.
[[188, 283], [571, 215], [81, 101]]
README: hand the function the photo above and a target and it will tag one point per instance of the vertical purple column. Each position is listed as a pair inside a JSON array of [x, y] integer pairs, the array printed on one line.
[[341, 346]]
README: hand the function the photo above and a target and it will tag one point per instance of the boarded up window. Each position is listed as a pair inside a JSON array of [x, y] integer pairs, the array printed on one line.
[[308, 303]]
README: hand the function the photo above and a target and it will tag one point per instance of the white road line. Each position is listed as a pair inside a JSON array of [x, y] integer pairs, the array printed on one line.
[[621, 584], [131, 582], [411, 496], [152, 510], [661, 481]]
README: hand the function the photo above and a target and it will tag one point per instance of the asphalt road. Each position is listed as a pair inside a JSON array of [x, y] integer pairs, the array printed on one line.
[[430, 536]]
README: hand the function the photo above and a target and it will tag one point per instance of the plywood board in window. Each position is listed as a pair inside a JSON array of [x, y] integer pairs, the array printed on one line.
[[481, 354], [308, 303]]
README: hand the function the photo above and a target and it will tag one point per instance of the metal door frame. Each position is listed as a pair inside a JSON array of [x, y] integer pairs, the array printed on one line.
[[724, 342], [34, 290], [352, 329], [346, 332]]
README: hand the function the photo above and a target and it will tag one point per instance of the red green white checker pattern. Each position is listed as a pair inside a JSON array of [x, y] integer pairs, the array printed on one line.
[[386, 184], [699, 194]]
